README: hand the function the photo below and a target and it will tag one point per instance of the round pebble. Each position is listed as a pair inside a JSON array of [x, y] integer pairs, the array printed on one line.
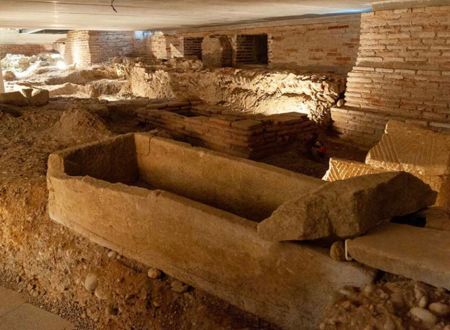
[[91, 282], [178, 286], [112, 254], [423, 302], [337, 251], [154, 273], [439, 309], [425, 316]]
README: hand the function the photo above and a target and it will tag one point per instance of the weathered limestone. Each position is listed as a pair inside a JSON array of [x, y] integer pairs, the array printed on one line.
[[16, 314], [347, 208], [209, 248], [436, 218], [13, 98], [410, 148], [39, 97], [341, 169], [34, 97], [235, 185], [405, 147], [419, 151], [417, 253]]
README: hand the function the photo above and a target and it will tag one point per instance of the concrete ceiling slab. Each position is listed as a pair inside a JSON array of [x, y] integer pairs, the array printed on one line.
[[159, 14]]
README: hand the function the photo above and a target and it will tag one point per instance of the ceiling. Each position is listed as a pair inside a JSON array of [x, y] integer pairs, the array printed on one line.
[[159, 14]]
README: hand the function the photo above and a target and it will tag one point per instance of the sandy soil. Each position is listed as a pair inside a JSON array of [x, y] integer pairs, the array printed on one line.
[[50, 264]]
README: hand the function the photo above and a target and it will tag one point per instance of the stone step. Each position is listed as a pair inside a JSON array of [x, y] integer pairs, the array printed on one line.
[[418, 253]]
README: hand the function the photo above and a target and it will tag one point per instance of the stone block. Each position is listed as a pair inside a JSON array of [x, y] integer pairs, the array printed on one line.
[[178, 231], [341, 169], [39, 97], [347, 208], [419, 151], [28, 317], [410, 148], [13, 98], [417, 253]]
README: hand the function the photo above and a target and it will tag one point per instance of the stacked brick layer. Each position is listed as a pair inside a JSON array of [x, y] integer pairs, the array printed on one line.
[[84, 48], [329, 44], [244, 136], [402, 72]]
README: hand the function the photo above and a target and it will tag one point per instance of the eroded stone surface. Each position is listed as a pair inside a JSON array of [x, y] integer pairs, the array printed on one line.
[[28, 317], [200, 245], [347, 208], [341, 169], [418, 253], [410, 148]]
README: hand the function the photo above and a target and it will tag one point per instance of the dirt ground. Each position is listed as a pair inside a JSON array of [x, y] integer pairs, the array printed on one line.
[[50, 264]]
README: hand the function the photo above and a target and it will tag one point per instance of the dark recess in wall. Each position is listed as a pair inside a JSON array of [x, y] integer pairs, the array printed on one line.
[[252, 49]]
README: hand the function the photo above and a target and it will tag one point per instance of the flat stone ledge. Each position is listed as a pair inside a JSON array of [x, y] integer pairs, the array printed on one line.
[[417, 253]]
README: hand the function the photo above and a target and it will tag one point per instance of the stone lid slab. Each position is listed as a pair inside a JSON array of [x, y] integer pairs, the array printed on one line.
[[417, 253]]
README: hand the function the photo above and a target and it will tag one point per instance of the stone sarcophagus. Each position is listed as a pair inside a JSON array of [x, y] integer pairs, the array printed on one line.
[[193, 213]]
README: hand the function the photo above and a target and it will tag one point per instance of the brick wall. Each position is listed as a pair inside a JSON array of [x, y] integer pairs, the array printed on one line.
[[321, 44], [193, 47], [25, 49], [89, 47], [77, 48], [250, 136], [402, 72]]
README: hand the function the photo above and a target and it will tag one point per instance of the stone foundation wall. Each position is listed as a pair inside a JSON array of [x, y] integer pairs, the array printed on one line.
[[252, 136], [402, 72], [320, 44], [24, 49]]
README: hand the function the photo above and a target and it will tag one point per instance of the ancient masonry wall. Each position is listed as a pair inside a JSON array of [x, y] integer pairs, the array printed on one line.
[[164, 46], [320, 44], [77, 48], [402, 72], [252, 136], [84, 48], [25, 49]]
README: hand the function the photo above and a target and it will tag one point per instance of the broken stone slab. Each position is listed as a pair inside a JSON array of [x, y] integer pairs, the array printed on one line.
[[341, 169], [347, 208], [28, 96], [13, 98], [410, 148], [418, 253], [39, 97], [436, 218], [27, 317], [422, 152]]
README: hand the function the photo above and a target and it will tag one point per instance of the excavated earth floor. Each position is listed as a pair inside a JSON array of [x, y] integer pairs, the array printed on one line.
[[49, 264]]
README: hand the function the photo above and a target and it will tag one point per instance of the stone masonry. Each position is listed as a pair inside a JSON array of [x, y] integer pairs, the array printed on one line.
[[249, 136]]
